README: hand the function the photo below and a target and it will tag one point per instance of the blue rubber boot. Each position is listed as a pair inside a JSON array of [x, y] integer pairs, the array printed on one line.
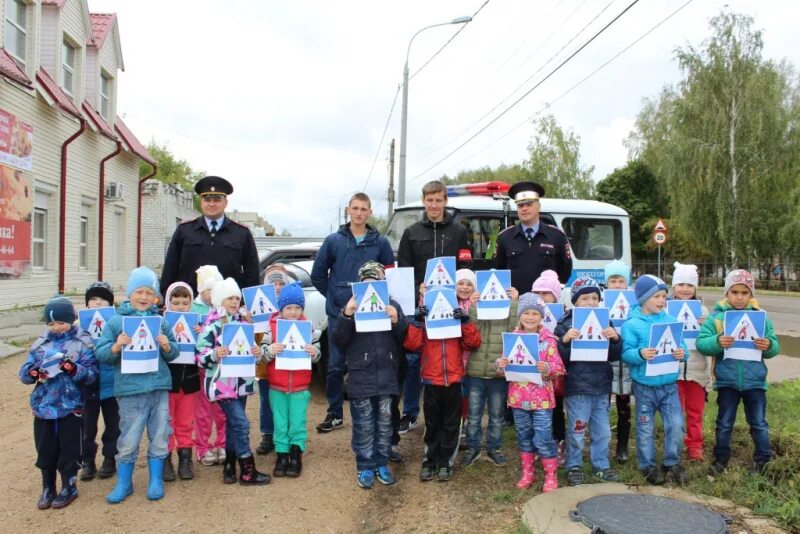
[[124, 485], [155, 468]]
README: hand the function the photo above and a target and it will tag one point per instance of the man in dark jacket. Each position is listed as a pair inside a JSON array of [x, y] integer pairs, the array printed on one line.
[[588, 391], [335, 268], [436, 235], [211, 239]]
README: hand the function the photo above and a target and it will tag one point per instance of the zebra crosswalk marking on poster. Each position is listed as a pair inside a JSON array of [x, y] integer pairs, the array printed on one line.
[[371, 302]]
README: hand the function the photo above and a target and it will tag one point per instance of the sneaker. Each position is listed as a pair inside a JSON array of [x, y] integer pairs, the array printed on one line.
[[407, 422], [675, 474], [696, 455], [209, 458], [385, 476], [717, 467], [366, 479], [88, 470], [221, 455], [470, 457], [331, 422], [653, 476], [445, 474], [394, 454], [108, 468], [575, 476], [427, 473], [562, 453], [497, 458], [606, 475]]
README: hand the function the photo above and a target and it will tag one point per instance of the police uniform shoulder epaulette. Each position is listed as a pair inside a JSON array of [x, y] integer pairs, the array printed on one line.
[[507, 229], [190, 221], [556, 228], [240, 225]]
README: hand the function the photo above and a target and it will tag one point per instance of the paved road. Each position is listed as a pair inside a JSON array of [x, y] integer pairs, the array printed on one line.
[[784, 311]]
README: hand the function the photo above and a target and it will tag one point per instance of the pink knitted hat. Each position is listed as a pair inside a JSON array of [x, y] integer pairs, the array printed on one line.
[[548, 282]]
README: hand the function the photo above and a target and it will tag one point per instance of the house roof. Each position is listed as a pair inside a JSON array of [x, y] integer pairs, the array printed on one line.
[[98, 121], [101, 27], [133, 143], [55, 93], [10, 69]]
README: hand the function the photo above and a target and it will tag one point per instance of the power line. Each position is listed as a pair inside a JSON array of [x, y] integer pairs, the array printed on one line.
[[529, 91]]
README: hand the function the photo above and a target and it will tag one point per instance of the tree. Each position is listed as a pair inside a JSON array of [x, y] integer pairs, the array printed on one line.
[[286, 233], [171, 170], [554, 161], [509, 174], [378, 221]]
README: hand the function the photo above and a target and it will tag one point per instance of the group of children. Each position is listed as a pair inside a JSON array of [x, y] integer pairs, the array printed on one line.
[[77, 379]]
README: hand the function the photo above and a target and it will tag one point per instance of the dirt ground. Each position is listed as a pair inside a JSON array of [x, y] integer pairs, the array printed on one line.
[[324, 499]]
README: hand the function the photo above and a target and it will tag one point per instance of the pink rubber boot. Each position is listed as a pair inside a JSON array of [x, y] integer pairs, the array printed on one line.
[[550, 466], [528, 470]]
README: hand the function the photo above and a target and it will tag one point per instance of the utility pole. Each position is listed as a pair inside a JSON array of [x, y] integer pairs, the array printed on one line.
[[390, 194]]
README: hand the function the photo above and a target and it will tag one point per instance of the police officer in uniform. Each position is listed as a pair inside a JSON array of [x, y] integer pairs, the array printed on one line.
[[211, 239], [530, 247]]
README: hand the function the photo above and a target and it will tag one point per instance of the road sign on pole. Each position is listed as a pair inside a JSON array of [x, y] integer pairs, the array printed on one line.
[[660, 226], [660, 238]]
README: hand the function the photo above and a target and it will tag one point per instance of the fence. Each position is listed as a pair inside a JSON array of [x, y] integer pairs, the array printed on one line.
[[782, 277]]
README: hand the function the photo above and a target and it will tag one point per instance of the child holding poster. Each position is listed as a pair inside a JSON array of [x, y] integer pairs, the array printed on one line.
[[142, 397], [736, 379], [185, 385], [60, 363], [695, 371], [99, 397], [533, 404], [658, 393], [230, 393], [288, 390]]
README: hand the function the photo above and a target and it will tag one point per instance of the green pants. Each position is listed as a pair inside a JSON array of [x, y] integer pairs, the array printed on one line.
[[289, 415]]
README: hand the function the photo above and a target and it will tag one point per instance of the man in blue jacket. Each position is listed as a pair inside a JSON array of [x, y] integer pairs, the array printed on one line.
[[335, 268]]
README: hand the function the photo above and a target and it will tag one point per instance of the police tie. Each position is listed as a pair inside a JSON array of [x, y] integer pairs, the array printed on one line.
[[529, 235], [213, 229]]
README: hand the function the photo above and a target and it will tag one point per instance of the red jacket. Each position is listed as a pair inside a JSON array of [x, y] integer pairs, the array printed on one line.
[[281, 379], [441, 360]]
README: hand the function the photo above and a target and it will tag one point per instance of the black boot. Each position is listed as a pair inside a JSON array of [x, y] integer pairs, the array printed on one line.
[[266, 446], [69, 490], [169, 469], [185, 470], [281, 464], [48, 489], [249, 476], [229, 467], [108, 468], [295, 462], [88, 470], [623, 435]]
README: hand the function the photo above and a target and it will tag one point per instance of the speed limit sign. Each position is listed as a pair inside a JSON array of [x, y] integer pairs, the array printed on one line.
[[660, 238]]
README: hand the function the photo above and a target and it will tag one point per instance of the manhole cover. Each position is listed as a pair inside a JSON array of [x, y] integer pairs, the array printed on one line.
[[634, 514]]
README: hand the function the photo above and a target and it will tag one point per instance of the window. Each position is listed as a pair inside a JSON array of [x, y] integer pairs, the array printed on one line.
[[39, 238], [118, 262], [105, 96], [68, 68], [594, 239], [84, 243], [16, 29]]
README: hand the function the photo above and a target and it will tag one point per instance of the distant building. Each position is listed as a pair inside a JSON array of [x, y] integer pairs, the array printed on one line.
[[164, 207], [257, 224]]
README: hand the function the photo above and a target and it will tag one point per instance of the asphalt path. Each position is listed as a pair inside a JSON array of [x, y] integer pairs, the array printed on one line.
[[784, 311]]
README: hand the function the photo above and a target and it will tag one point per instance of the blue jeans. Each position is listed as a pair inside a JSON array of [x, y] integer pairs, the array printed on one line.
[[266, 424], [237, 427], [334, 380], [413, 386], [483, 392], [755, 411], [588, 412], [665, 400], [535, 431], [372, 431], [150, 410]]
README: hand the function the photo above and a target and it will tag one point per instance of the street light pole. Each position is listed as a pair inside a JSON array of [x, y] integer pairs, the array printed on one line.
[[401, 181]]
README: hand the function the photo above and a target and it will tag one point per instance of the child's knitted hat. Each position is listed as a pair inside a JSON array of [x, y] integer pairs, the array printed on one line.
[[224, 289], [207, 276], [141, 277], [467, 274], [59, 308], [371, 269], [618, 268], [740, 276], [648, 285], [99, 289], [583, 285], [548, 282], [292, 294], [530, 301], [685, 274]]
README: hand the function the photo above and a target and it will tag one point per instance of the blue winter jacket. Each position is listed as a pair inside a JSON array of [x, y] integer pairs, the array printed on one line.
[[62, 394], [134, 384], [636, 336], [585, 378], [338, 260]]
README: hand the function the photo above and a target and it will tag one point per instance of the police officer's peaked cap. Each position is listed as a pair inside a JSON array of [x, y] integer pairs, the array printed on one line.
[[213, 185], [525, 192]]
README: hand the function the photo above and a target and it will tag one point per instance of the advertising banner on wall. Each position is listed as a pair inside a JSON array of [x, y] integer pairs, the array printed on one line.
[[16, 142], [16, 206]]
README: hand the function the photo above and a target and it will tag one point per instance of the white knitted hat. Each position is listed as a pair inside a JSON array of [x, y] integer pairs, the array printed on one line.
[[207, 276], [222, 290], [685, 274]]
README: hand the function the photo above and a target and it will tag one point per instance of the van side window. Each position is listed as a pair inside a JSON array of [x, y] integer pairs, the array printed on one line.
[[594, 239]]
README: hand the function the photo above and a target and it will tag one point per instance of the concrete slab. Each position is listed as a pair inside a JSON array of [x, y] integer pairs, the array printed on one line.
[[7, 350], [782, 368], [22, 333]]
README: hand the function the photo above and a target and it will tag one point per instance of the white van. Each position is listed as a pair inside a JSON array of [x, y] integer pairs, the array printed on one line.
[[598, 232]]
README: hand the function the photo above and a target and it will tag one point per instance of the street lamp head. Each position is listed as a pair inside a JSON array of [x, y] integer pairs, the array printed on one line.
[[461, 20]]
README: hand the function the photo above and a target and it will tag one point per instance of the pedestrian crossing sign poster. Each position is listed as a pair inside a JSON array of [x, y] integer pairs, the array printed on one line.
[[665, 338], [371, 301], [261, 302], [522, 352], [240, 362], [494, 302], [94, 320], [619, 303], [52, 362], [440, 323], [591, 345], [181, 324], [552, 314], [441, 272], [745, 326], [294, 336], [687, 312], [142, 353]]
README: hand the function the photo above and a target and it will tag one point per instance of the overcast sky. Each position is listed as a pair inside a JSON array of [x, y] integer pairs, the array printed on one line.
[[288, 100]]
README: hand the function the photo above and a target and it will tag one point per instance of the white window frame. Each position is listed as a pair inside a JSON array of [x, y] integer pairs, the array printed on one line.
[[118, 256], [105, 98], [15, 25], [39, 241], [66, 68], [83, 242]]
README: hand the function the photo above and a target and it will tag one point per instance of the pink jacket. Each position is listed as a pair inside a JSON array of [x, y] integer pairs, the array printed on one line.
[[530, 396]]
